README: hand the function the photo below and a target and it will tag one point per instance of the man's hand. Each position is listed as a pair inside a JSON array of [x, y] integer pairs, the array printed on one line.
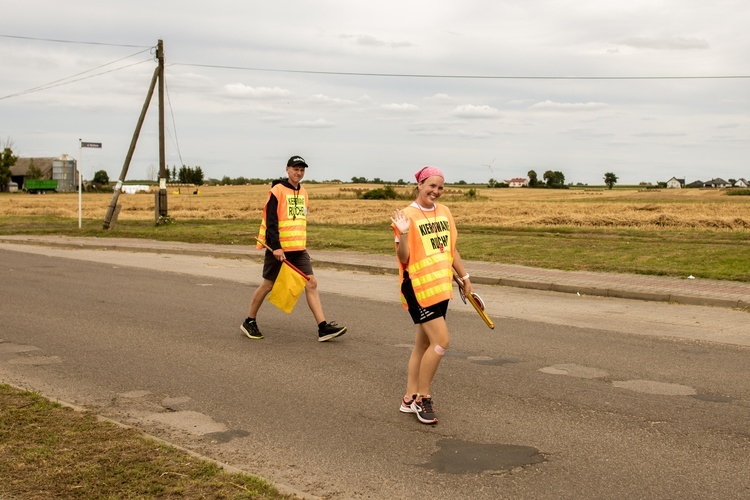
[[279, 254]]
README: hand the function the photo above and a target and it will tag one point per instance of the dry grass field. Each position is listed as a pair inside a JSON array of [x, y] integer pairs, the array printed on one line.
[[337, 204]]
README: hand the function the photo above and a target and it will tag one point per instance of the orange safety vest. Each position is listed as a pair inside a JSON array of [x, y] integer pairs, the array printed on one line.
[[292, 217], [432, 244]]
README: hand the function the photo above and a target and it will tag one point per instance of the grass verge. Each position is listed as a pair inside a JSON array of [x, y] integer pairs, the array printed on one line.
[[703, 253], [51, 451]]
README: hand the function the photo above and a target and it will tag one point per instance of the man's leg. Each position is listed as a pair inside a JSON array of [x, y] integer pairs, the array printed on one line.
[[258, 297], [250, 326], [326, 331], [313, 300]]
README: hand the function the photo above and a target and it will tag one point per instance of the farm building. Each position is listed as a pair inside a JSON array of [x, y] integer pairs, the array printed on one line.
[[62, 169]]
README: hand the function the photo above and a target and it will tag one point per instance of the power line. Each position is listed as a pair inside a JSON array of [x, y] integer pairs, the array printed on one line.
[[53, 84], [174, 124], [74, 41], [465, 77], [57, 83], [403, 75]]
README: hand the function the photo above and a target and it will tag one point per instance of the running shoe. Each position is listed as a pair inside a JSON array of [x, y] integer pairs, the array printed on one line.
[[425, 412], [406, 404], [250, 329], [330, 331]]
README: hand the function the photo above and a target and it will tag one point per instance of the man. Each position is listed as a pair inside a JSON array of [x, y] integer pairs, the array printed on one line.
[[284, 230]]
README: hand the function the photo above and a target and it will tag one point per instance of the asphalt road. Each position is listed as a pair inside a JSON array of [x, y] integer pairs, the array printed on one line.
[[569, 397]]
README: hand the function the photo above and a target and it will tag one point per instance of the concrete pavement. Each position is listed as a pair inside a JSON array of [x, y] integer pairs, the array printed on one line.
[[701, 292]]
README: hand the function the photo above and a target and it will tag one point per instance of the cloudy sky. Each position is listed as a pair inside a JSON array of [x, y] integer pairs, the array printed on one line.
[[480, 88]]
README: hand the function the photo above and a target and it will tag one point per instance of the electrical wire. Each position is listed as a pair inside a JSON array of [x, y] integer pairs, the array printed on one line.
[[73, 41], [466, 77], [62, 81], [73, 81], [399, 75], [174, 124]]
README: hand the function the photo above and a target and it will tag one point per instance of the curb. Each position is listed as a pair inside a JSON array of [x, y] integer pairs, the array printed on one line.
[[340, 263]]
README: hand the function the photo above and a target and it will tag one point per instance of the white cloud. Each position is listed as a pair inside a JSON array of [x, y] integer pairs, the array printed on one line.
[[242, 90], [371, 41], [319, 123], [471, 111], [439, 98], [434, 127], [665, 43], [400, 108], [564, 107], [660, 134], [291, 69], [728, 125], [520, 102], [330, 101], [587, 133]]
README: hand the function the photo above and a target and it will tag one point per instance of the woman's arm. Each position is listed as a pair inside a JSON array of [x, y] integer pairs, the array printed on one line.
[[401, 223], [458, 265]]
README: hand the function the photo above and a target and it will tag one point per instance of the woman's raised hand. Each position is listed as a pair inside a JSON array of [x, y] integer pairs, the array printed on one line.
[[400, 221]]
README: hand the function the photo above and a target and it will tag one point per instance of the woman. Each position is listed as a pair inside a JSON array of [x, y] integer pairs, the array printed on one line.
[[426, 250]]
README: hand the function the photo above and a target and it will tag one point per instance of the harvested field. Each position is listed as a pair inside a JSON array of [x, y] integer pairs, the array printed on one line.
[[338, 204]]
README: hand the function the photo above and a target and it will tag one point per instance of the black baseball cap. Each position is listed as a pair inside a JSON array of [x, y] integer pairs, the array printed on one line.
[[296, 160]]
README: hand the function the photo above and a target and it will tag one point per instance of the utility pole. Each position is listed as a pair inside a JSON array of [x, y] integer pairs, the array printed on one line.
[[161, 202], [161, 196]]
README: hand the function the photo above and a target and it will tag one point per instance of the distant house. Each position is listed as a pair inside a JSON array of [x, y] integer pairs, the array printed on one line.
[[517, 182], [675, 183], [716, 183], [741, 183], [63, 169], [695, 184]]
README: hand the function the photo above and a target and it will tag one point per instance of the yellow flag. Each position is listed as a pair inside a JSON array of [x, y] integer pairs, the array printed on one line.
[[286, 289]]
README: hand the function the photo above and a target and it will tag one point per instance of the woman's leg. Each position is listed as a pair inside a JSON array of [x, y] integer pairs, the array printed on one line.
[[421, 343], [436, 334]]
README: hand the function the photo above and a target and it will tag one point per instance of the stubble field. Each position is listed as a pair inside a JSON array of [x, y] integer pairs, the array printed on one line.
[[338, 205]]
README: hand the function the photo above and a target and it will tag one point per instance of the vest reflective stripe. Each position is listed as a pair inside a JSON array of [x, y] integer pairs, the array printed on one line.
[[430, 270], [293, 235], [433, 282], [292, 217]]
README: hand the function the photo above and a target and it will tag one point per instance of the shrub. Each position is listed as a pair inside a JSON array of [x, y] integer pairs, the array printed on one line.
[[384, 193]]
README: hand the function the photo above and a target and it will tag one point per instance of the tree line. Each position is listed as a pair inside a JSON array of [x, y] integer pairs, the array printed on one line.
[[553, 179]]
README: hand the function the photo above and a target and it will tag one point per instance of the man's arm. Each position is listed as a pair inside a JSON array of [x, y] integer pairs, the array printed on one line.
[[272, 223]]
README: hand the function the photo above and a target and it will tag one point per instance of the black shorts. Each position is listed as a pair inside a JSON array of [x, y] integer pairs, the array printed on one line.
[[299, 259], [418, 313]]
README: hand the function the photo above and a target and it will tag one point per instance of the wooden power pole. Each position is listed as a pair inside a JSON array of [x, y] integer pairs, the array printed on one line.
[[161, 196], [161, 199]]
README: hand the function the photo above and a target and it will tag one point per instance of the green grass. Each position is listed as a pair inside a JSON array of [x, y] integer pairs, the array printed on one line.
[[50, 451], [704, 253]]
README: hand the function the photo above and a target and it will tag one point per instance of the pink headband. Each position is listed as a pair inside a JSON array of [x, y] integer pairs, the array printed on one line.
[[428, 172]]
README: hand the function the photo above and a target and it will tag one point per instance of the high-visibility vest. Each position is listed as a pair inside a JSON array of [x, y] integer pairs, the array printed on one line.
[[432, 244], [292, 217]]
